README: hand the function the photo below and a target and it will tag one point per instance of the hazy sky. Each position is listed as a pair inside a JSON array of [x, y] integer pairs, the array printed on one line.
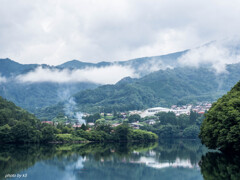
[[55, 31]]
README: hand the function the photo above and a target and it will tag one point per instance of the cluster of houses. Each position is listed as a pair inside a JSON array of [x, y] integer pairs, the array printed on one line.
[[152, 111], [200, 108]]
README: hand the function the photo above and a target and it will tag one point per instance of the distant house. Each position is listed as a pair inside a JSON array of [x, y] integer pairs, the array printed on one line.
[[91, 124], [136, 125], [77, 125], [151, 121], [47, 122], [115, 125]]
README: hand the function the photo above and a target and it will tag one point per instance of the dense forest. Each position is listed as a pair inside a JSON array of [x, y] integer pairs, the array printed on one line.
[[168, 125], [161, 88], [221, 127], [35, 95], [19, 126]]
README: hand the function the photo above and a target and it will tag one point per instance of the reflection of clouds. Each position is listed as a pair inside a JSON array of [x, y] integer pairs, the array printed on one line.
[[2, 79], [71, 169], [76, 165], [79, 163], [151, 162]]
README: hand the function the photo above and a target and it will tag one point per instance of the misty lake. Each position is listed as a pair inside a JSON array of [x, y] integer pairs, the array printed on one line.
[[168, 159]]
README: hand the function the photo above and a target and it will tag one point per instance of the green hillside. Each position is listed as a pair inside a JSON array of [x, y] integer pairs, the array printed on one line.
[[19, 126], [11, 114], [221, 127], [161, 88]]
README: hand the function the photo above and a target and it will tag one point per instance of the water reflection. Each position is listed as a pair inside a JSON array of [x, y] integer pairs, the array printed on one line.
[[169, 159], [218, 166]]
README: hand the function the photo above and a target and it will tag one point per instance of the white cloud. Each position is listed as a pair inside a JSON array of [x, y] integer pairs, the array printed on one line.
[[217, 54], [54, 31], [103, 75], [2, 79]]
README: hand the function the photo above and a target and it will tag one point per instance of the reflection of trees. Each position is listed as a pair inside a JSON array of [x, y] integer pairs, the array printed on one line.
[[115, 159], [123, 165], [14, 159], [219, 166], [184, 149]]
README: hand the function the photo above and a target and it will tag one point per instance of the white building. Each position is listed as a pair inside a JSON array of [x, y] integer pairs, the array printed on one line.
[[153, 111]]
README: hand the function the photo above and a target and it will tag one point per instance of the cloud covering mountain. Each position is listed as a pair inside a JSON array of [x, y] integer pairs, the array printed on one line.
[[215, 54], [103, 75], [54, 31]]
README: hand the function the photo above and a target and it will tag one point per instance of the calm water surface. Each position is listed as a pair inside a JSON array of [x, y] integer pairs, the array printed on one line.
[[169, 159]]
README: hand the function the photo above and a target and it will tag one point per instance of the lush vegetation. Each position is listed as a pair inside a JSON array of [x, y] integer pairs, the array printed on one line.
[[34, 96], [221, 127], [161, 88], [19, 126], [121, 133], [220, 166], [164, 124], [171, 126]]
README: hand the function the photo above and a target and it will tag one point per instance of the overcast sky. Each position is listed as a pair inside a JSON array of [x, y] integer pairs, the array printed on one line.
[[55, 31]]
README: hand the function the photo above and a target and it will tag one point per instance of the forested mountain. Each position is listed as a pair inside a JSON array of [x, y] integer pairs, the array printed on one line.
[[32, 96], [163, 80], [142, 65], [162, 88], [35, 95]]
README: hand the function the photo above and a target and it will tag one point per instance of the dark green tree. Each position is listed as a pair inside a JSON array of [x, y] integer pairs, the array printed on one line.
[[5, 134], [134, 118], [167, 118], [104, 127], [48, 133], [83, 127], [191, 132], [121, 132], [193, 117], [221, 127]]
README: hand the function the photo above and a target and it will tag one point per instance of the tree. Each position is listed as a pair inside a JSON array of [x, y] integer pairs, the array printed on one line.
[[167, 131], [83, 127], [48, 134], [167, 118], [92, 118], [134, 118], [221, 127], [20, 132], [66, 130], [5, 134], [99, 122], [193, 117], [191, 132], [104, 127], [183, 121], [121, 132]]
